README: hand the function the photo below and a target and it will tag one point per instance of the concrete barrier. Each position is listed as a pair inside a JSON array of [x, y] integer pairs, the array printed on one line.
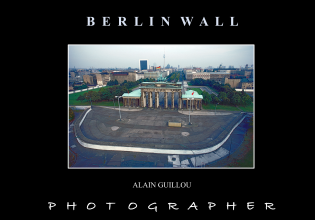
[[84, 116], [245, 90], [96, 87], [79, 107]]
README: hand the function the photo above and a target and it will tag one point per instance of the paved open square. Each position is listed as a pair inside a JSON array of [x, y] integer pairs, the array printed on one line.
[[148, 128]]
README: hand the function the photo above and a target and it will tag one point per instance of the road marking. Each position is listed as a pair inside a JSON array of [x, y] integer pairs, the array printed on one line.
[[203, 113], [114, 128], [204, 159], [174, 159], [221, 152], [184, 163]]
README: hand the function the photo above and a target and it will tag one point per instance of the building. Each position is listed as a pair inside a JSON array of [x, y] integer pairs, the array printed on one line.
[[102, 79], [189, 103], [139, 76], [90, 79], [219, 76], [153, 74], [234, 83], [143, 64], [197, 69], [122, 76], [169, 71], [72, 74], [143, 97], [247, 83], [201, 75], [188, 73]]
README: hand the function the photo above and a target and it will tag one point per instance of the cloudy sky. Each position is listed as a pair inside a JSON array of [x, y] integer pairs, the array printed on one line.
[[185, 55]]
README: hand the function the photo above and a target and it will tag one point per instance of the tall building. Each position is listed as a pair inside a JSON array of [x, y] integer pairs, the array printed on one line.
[[143, 64]]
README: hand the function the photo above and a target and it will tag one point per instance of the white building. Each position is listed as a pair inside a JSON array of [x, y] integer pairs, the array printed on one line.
[[139, 76]]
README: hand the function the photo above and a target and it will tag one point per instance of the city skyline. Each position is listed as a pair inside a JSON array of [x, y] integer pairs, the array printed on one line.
[[124, 56]]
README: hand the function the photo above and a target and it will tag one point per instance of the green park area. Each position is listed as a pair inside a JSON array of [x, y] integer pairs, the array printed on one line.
[[220, 106], [227, 98], [104, 96], [74, 96]]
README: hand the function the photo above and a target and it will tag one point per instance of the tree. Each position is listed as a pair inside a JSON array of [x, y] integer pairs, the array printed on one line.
[[246, 99], [206, 97], [112, 82], [105, 95], [215, 99], [222, 95], [71, 114], [81, 98], [236, 99], [93, 96], [226, 101]]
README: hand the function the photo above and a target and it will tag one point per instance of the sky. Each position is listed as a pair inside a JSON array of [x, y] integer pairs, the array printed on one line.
[[185, 55]]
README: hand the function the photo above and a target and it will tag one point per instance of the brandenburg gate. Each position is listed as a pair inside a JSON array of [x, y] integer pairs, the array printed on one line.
[[143, 97]]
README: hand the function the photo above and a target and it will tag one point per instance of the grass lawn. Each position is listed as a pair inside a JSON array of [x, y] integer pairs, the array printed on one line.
[[248, 108], [224, 107], [196, 89], [73, 99], [212, 106], [219, 107], [74, 96], [101, 103]]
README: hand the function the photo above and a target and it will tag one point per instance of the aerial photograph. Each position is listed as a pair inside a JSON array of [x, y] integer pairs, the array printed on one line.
[[161, 106]]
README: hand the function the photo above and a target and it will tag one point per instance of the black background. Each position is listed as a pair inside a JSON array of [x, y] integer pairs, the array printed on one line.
[[220, 186]]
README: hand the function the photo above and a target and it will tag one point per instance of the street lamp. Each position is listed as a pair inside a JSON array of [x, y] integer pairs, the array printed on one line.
[[215, 110], [189, 108], [119, 106], [90, 100]]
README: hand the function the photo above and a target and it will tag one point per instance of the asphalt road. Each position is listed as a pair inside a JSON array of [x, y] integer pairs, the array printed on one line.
[[92, 158]]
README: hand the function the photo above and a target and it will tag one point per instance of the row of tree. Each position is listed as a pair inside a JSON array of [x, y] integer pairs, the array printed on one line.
[[109, 92], [83, 86], [173, 77], [226, 94]]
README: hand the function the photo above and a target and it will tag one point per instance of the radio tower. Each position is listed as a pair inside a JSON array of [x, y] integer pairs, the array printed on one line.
[[164, 59]]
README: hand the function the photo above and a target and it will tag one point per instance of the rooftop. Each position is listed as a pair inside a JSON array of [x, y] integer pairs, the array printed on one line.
[[188, 94], [136, 93], [247, 80], [177, 85]]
